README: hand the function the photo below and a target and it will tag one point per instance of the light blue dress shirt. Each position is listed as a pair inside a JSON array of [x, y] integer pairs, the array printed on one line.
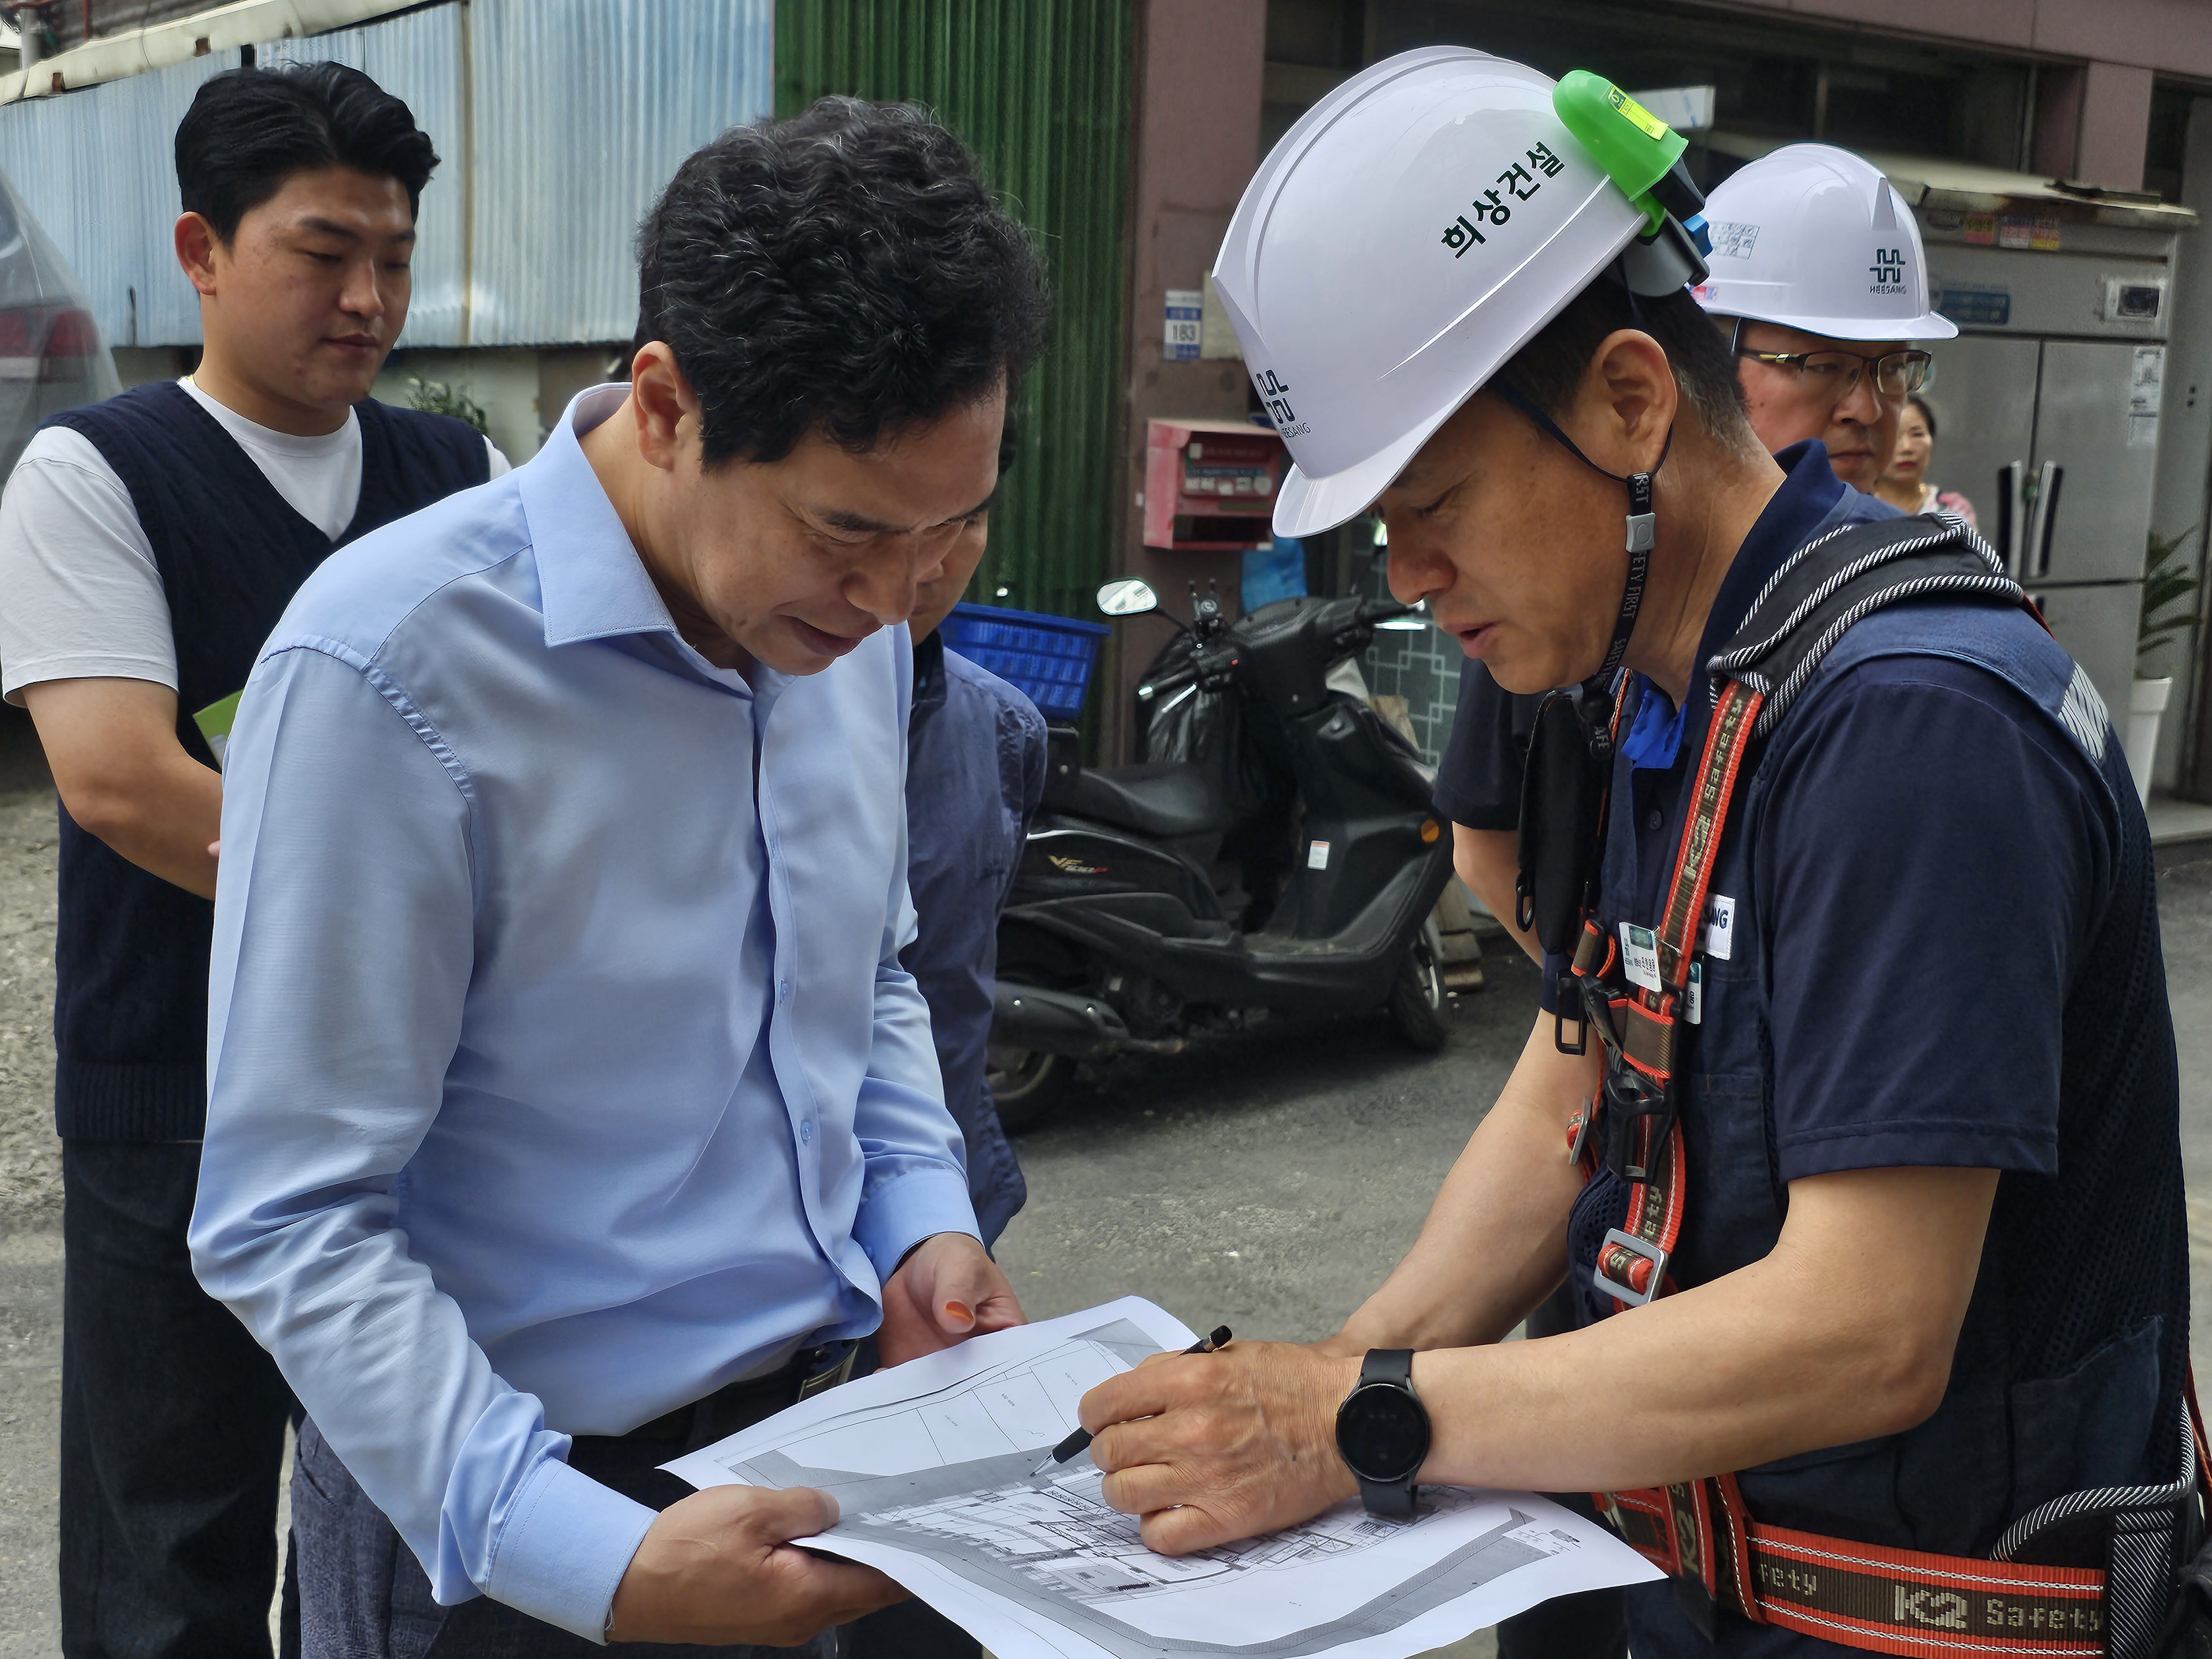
[[561, 1068]]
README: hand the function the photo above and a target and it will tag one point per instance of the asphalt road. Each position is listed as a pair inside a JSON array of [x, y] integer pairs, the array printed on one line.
[[1267, 1181]]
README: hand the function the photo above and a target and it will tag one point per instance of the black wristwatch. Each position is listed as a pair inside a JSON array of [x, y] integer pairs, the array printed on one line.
[[1382, 1432]]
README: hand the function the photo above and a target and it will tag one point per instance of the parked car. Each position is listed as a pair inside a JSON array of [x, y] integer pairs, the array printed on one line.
[[52, 356]]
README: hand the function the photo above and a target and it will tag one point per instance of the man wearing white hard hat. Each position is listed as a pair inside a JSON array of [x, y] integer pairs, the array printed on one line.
[[1818, 275], [1852, 1117], [1818, 272]]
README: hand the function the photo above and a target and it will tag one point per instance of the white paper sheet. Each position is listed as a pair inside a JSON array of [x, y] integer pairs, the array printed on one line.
[[930, 1463]]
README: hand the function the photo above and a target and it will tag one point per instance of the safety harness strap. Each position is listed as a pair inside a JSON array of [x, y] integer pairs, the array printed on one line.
[[1859, 1595], [1735, 716], [1641, 1028]]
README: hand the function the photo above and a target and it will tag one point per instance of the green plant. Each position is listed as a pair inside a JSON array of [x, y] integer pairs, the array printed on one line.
[[443, 398], [2166, 583]]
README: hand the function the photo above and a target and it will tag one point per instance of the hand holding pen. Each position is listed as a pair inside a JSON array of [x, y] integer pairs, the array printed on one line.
[[1077, 1443]]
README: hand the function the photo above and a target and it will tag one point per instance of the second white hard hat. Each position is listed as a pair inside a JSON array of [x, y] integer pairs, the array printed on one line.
[[1410, 233], [1811, 237]]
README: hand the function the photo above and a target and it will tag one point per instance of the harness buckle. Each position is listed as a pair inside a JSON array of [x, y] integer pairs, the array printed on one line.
[[1581, 1124], [1597, 1009], [1620, 1289], [1631, 1096]]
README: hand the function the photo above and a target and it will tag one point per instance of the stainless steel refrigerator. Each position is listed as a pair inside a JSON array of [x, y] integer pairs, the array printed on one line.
[[2048, 413]]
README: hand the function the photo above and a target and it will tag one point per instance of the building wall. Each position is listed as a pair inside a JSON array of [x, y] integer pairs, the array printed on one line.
[[1197, 144], [1039, 89], [2093, 111], [2169, 36], [558, 121]]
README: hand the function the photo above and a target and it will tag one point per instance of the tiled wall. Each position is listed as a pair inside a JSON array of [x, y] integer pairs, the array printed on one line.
[[1421, 667]]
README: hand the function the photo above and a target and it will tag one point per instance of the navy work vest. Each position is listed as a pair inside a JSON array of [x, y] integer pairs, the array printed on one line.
[[131, 957], [2070, 1363]]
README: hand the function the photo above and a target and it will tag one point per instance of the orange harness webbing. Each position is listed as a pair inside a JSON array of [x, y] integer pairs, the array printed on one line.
[[1859, 1595]]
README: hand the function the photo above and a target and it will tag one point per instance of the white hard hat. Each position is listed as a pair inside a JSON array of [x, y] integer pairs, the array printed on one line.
[[1411, 233], [1814, 238]]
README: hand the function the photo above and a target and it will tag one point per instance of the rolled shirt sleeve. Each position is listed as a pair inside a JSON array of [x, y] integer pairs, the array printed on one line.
[[340, 973]]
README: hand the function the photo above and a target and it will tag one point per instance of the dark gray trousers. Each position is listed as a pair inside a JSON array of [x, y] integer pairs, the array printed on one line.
[[172, 1425]]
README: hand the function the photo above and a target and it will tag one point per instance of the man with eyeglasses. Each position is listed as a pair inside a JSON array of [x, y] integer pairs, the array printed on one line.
[[1818, 273]]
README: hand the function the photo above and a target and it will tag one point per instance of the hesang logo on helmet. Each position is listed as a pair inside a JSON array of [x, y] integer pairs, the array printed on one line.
[[1277, 396], [1887, 271], [1491, 209]]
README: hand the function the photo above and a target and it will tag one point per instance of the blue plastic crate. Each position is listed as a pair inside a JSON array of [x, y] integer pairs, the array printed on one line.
[[1050, 658]]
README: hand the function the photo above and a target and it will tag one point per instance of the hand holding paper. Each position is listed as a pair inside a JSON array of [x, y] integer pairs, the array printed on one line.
[[718, 1568]]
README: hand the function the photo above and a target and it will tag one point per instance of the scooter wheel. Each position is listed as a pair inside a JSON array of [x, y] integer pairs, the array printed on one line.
[[1417, 1000], [1024, 1083]]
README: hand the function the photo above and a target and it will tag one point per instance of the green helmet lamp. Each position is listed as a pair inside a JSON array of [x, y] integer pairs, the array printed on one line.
[[1644, 155]]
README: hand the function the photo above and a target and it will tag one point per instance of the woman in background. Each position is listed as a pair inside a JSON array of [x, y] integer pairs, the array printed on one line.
[[1905, 486]]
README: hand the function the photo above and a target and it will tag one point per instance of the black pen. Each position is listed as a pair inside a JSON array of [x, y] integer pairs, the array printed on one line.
[[1076, 1443]]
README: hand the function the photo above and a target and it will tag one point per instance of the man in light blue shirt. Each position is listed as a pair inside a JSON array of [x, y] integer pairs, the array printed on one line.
[[568, 1103]]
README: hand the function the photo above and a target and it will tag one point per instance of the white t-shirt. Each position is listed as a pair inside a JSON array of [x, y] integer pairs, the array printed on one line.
[[80, 597]]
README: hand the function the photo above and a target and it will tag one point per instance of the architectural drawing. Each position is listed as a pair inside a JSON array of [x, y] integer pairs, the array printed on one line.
[[936, 1477]]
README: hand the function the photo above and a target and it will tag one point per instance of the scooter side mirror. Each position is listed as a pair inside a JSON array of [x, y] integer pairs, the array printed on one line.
[[1132, 596]]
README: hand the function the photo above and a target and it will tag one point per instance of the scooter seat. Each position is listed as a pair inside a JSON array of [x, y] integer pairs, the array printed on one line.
[[1168, 799]]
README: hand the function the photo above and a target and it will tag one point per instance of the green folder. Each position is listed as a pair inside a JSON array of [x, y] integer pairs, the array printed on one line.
[[214, 722]]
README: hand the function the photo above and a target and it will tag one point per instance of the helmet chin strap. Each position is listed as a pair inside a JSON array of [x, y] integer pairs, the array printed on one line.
[[1595, 697]]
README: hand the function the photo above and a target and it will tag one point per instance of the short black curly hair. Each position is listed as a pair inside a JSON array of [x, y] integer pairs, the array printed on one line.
[[844, 272], [249, 130]]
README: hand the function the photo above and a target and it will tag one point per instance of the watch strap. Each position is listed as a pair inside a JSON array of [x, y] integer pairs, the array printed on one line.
[[1391, 1365], [1392, 1368], [1393, 1498]]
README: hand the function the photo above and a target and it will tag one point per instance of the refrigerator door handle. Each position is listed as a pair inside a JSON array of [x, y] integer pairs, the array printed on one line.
[[2045, 520], [2008, 516]]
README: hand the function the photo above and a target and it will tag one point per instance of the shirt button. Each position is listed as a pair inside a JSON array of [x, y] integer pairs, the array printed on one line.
[[1654, 819], [806, 1129], [783, 990]]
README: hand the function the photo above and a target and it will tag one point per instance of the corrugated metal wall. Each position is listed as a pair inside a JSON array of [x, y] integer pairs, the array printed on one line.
[[583, 109], [576, 111], [1040, 89], [73, 163]]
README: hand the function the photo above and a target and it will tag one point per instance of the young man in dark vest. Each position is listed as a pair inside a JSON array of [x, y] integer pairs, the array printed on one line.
[[147, 545]]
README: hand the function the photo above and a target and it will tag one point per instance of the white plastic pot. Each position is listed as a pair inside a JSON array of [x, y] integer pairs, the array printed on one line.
[[2145, 705]]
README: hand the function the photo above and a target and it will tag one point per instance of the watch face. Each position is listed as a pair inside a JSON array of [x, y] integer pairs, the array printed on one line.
[[1382, 1432]]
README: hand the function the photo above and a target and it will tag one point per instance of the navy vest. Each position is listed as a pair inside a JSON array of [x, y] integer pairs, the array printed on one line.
[[131, 957], [2068, 1369]]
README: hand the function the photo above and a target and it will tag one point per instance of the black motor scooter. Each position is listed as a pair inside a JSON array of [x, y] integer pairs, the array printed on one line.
[[1288, 866]]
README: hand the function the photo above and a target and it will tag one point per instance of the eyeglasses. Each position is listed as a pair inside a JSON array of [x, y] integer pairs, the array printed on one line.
[[1835, 375]]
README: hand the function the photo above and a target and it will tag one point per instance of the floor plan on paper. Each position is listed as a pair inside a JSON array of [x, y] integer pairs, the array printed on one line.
[[931, 1465]]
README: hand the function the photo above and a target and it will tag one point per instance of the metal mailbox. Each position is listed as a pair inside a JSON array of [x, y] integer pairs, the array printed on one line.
[[1210, 485]]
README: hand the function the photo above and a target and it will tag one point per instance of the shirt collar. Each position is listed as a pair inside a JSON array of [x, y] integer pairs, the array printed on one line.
[[590, 580], [1809, 493]]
